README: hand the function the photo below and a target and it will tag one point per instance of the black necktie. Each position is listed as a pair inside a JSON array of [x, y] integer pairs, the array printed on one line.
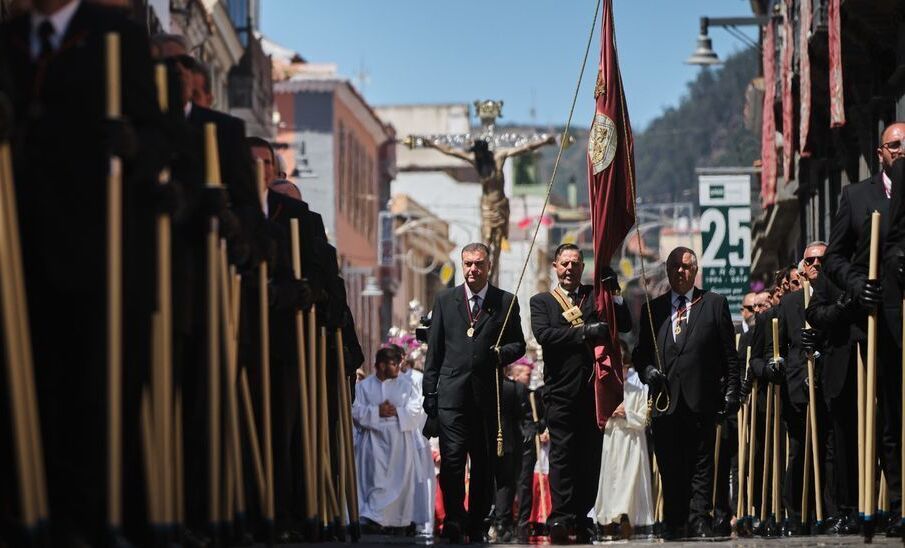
[[45, 31], [573, 296], [475, 307]]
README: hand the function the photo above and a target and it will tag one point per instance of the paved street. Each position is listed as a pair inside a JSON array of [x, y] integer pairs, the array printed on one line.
[[368, 541]]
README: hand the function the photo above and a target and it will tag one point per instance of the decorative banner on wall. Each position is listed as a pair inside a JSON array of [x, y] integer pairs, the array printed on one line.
[[726, 236], [837, 94], [806, 18], [788, 99], [768, 124]]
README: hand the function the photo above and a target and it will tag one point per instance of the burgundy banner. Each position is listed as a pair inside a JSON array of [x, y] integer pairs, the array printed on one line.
[[611, 173], [768, 123], [804, 76], [788, 100], [837, 95]]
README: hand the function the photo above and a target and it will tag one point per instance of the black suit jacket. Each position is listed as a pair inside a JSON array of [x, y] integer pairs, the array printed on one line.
[[847, 254], [762, 341], [834, 324], [60, 159], [693, 369], [791, 321], [568, 359], [515, 409], [459, 368]]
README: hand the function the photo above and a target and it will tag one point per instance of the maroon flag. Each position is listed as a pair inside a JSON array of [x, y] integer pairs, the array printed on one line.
[[611, 173], [788, 100], [837, 96], [804, 78], [768, 124]]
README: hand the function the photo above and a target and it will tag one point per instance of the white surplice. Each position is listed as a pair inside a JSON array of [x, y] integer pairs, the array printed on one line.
[[386, 451], [625, 486]]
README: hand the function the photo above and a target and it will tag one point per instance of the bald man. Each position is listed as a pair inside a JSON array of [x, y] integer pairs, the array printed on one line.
[[845, 264]]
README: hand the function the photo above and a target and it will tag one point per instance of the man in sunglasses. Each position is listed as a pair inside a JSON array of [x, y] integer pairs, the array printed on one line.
[[845, 264]]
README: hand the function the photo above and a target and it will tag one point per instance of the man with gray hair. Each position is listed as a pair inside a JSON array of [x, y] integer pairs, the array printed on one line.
[[472, 336], [689, 358]]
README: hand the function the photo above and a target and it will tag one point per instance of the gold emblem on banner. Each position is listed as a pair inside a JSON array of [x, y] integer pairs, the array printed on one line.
[[600, 87], [602, 143]]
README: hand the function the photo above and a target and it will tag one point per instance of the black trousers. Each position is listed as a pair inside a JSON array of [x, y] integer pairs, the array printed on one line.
[[464, 434], [287, 462], [506, 472], [575, 444], [889, 417], [526, 483], [843, 431], [727, 470], [683, 443]]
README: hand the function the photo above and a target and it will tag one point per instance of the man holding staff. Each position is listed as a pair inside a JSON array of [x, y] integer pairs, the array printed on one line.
[[847, 266], [472, 335]]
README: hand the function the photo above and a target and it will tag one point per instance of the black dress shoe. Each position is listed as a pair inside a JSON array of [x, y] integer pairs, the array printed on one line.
[[452, 532], [845, 525], [701, 529], [288, 536], [192, 538], [722, 526], [670, 533], [894, 529], [523, 533], [559, 533]]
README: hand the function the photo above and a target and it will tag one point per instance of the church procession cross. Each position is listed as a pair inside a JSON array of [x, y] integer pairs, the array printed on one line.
[[487, 152]]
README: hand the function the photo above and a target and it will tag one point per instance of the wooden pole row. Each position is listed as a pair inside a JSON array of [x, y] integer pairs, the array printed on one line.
[[870, 455], [812, 420]]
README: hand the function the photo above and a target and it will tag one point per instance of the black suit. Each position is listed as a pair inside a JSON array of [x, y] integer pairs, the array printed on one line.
[[529, 456], [795, 399], [838, 379], [846, 264], [694, 364], [515, 408], [61, 165], [462, 371], [575, 439]]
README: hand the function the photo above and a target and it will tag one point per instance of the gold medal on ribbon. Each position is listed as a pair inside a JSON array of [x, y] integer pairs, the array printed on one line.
[[470, 332], [677, 329]]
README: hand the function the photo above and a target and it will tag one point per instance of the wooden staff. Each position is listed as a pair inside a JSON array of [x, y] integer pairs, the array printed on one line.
[[16, 368], [151, 460], [768, 448], [902, 403], [177, 448], [212, 175], [752, 444], [323, 448], [743, 449], [254, 442], [345, 413], [812, 415], [777, 403], [539, 452], [658, 512], [807, 470], [340, 424], [114, 297], [229, 300], [268, 509], [870, 460], [883, 498], [716, 465], [306, 423], [861, 431], [162, 377]]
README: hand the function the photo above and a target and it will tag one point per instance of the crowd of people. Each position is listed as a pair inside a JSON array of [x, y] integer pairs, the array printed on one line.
[[215, 284]]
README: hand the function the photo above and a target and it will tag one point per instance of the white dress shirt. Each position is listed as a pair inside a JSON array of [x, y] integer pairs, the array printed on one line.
[[60, 20], [469, 296]]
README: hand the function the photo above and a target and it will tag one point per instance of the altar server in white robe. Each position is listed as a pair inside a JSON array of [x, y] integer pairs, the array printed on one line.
[[426, 489], [388, 417], [624, 486]]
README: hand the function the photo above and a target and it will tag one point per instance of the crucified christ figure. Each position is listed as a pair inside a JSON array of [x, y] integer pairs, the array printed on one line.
[[494, 203]]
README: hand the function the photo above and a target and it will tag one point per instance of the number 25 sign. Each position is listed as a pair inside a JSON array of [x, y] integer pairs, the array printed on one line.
[[726, 235]]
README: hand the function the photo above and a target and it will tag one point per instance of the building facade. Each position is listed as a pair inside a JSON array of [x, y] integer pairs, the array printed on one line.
[[826, 130], [342, 156]]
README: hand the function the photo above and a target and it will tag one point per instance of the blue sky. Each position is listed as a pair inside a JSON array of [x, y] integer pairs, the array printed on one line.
[[525, 52]]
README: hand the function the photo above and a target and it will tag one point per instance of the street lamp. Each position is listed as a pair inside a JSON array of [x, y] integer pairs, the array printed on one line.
[[704, 55], [371, 288]]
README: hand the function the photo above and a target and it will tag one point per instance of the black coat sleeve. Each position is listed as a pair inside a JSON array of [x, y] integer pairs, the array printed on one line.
[[512, 345], [544, 331], [623, 317], [728, 351], [643, 356], [435, 349], [837, 260]]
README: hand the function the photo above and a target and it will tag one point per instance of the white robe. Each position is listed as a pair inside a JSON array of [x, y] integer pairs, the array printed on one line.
[[625, 486], [386, 452], [424, 493]]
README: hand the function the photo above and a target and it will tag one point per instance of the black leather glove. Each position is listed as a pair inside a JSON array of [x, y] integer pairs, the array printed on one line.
[[655, 377], [731, 405], [775, 370], [292, 295], [745, 385], [6, 117], [430, 405], [898, 263], [119, 138], [596, 331], [214, 201], [811, 340], [168, 199], [496, 357], [610, 280], [871, 295]]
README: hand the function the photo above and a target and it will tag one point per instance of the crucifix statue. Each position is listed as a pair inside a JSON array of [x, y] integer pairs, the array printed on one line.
[[487, 154]]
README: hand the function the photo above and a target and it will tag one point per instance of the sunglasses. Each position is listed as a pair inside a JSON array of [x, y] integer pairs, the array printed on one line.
[[750, 307], [892, 145], [811, 260]]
